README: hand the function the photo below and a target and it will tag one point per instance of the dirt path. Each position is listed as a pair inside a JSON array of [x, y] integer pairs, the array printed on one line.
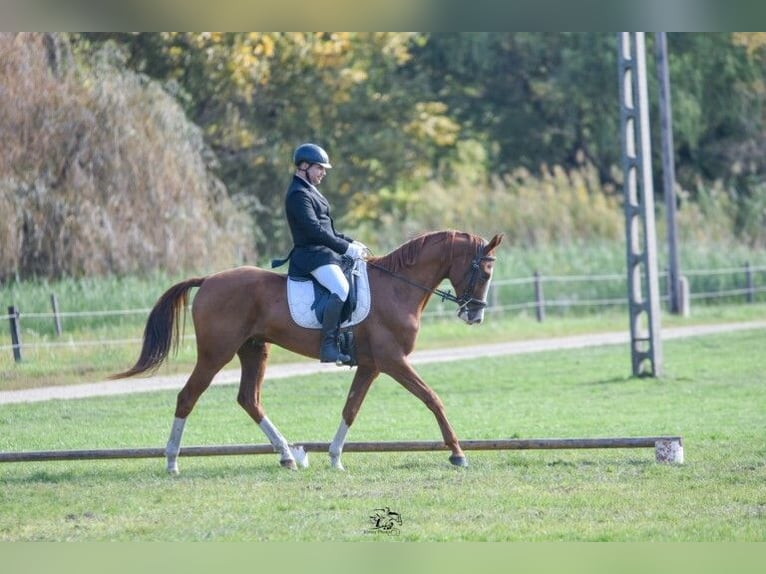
[[228, 377]]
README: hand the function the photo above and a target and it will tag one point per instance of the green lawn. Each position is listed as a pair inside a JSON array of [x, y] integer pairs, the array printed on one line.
[[712, 394], [81, 357]]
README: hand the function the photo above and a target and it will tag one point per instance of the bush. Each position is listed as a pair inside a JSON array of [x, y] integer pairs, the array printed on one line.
[[102, 173], [557, 206]]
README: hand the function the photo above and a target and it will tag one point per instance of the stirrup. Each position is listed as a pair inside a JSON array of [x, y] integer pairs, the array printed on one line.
[[331, 353], [340, 359]]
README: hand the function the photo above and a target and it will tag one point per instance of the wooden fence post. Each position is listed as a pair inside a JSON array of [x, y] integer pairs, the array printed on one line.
[[492, 296], [684, 296], [56, 316], [750, 297], [539, 297], [669, 288], [13, 315]]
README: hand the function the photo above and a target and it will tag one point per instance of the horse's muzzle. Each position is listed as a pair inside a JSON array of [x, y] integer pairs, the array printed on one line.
[[471, 316]]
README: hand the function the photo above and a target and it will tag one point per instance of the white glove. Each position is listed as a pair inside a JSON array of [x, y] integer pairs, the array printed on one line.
[[356, 251]]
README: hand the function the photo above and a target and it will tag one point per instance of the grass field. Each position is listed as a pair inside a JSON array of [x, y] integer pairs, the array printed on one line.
[[712, 394], [67, 362], [104, 317]]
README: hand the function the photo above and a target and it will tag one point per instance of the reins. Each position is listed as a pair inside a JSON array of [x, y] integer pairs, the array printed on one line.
[[465, 299], [445, 295]]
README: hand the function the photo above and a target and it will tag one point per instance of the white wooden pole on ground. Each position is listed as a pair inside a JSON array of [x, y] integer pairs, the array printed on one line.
[[667, 448]]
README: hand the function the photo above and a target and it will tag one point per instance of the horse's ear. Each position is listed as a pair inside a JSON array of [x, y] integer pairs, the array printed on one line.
[[493, 243]]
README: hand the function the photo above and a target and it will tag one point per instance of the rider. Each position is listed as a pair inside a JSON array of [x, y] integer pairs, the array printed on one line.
[[318, 248]]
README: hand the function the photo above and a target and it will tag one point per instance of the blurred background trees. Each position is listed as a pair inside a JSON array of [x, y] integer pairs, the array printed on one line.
[[122, 153]]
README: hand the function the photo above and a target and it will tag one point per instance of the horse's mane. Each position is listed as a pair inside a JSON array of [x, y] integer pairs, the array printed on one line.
[[406, 254]]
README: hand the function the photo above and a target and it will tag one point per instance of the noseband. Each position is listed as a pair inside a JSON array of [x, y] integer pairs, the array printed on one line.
[[466, 300]]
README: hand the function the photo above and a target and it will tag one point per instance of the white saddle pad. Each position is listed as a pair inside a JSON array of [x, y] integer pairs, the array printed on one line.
[[300, 298]]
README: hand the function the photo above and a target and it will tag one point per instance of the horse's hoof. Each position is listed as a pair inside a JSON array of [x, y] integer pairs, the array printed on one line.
[[458, 460], [300, 455], [289, 464]]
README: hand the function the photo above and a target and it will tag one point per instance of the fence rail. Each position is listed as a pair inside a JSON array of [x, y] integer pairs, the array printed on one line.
[[519, 294]]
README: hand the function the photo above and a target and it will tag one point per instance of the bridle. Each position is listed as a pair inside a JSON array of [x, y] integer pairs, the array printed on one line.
[[464, 301]]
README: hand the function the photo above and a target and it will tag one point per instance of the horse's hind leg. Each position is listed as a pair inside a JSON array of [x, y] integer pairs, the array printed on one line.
[[253, 356], [197, 383]]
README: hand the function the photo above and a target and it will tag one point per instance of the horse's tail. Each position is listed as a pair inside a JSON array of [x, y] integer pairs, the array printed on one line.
[[161, 329]]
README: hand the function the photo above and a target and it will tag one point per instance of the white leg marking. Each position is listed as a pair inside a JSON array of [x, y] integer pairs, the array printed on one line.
[[300, 455], [276, 439], [174, 445], [336, 446]]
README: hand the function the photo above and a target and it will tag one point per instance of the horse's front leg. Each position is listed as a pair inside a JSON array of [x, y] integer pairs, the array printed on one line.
[[360, 385], [253, 356], [405, 375]]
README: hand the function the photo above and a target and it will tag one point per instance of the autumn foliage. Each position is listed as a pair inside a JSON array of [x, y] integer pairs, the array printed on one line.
[[101, 172]]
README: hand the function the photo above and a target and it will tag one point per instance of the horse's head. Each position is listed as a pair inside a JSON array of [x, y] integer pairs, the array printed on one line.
[[466, 260], [473, 280]]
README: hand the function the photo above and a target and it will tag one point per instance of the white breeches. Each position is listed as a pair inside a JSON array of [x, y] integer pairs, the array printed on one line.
[[331, 277]]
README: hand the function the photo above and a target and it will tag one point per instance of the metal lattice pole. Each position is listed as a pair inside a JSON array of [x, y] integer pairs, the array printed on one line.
[[669, 174], [641, 240]]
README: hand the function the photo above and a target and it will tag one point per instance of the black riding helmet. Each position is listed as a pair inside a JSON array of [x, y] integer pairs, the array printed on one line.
[[312, 154]]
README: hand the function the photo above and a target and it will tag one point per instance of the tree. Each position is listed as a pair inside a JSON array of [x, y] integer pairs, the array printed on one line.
[[101, 172], [256, 96], [533, 99]]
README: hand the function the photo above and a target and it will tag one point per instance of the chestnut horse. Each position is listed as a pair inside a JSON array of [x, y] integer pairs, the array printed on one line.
[[244, 311]]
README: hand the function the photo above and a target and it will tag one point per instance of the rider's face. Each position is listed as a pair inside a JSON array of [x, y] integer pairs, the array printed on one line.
[[316, 173]]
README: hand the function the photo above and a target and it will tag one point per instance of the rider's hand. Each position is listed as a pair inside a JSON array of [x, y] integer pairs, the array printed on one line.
[[356, 250]]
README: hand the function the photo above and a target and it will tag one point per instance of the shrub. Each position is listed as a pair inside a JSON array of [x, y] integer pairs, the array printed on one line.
[[101, 172]]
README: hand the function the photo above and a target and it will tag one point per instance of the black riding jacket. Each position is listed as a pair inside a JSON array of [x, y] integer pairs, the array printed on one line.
[[315, 241]]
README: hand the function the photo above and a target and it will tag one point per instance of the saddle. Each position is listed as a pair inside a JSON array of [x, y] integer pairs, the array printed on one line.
[[307, 298]]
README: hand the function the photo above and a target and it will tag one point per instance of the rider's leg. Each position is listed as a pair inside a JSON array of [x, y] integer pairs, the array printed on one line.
[[333, 279]]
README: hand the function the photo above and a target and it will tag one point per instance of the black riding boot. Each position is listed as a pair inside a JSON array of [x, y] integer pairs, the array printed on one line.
[[329, 351]]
